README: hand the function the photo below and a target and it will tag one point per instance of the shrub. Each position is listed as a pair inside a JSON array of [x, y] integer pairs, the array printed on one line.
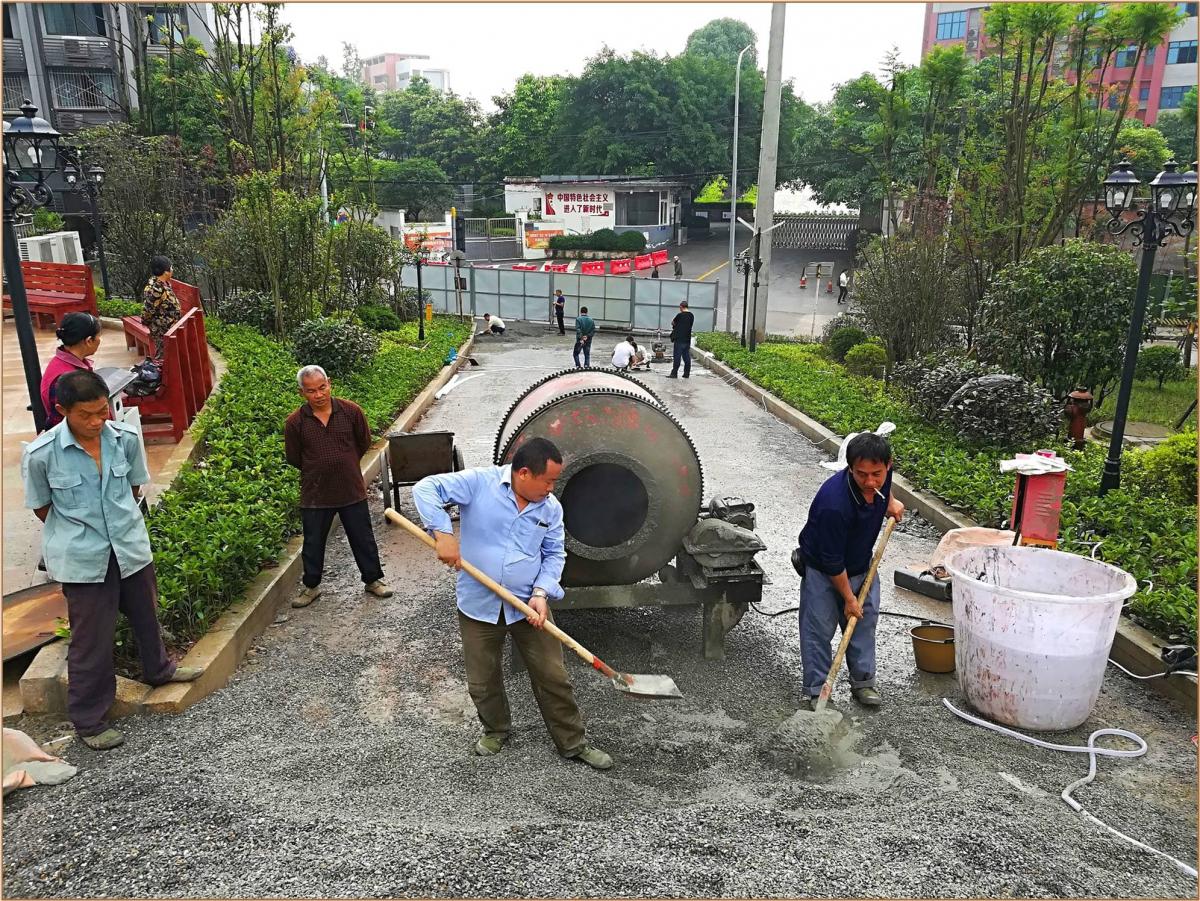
[[634, 241], [116, 307], [1160, 362], [248, 306], [406, 304], [843, 339], [928, 384], [336, 345], [866, 359], [1001, 409], [1166, 470], [379, 319], [841, 320]]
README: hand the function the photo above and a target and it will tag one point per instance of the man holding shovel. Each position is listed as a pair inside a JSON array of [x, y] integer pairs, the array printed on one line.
[[836, 543], [512, 530]]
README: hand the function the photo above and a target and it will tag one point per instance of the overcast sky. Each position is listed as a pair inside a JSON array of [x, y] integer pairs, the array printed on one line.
[[487, 46]]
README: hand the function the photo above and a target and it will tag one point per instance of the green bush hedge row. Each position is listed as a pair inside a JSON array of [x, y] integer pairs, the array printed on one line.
[[228, 514], [1145, 530], [603, 239]]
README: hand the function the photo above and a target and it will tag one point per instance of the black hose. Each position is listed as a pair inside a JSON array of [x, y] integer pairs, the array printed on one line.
[[921, 619]]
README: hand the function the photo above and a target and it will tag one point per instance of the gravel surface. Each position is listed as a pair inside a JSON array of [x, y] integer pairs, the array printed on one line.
[[336, 762]]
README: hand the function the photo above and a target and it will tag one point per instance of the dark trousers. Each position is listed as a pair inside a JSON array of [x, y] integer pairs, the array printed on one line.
[[842, 293], [682, 351], [92, 609], [562, 329], [483, 646], [356, 521], [586, 347], [496, 330]]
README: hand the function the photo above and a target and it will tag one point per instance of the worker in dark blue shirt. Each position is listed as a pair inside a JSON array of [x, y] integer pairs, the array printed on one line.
[[836, 543]]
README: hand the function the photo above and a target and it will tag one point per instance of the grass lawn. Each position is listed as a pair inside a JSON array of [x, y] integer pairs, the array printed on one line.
[[1149, 404]]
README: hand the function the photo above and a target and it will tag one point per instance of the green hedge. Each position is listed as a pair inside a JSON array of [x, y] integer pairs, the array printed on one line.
[[117, 307], [1150, 536], [229, 513]]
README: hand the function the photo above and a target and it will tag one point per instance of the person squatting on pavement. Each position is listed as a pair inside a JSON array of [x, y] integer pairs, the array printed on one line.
[[585, 331], [836, 543], [82, 479], [512, 529], [325, 439]]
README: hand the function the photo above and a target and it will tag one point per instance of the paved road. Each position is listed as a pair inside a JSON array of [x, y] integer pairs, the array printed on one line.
[[335, 763]]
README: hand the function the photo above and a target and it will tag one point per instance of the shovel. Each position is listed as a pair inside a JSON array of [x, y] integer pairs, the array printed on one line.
[[642, 686]]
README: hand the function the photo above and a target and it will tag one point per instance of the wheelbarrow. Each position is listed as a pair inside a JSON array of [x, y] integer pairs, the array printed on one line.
[[410, 456]]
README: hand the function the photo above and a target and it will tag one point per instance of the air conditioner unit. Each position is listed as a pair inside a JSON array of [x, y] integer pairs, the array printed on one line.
[[75, 49], [972, 33], [69, 121], [56, 247], [972, 43]]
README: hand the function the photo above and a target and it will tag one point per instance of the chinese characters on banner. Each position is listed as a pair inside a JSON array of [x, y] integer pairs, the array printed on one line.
[[539, 238], [579, 203]]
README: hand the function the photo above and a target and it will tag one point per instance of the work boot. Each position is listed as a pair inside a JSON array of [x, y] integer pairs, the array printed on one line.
[[810, 703], [104, 741], [868, 696], [593, 757], [379, 588], [672, 376], [186, 674], [307, 596], [488, 746]]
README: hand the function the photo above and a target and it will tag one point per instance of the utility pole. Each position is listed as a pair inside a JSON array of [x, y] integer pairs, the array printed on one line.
[[768, 161], [733, 190]]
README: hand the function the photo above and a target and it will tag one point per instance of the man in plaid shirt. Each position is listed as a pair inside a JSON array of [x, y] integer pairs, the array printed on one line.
[[325, 439]]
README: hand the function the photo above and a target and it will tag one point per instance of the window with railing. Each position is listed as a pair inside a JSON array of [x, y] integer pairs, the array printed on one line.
[[1125, 57], [81, 19], [1172, 97], [1181, 52], [1143, 93], [16, 90], [83, 89], [165, 26], [951, 25]]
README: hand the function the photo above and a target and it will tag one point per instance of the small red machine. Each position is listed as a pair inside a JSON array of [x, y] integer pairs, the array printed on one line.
[[1037, 505]]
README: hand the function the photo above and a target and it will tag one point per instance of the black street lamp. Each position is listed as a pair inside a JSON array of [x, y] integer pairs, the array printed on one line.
[[89, 184], [756, 264], [30, 154], [420, 297], [742, 264], [1172, 199]]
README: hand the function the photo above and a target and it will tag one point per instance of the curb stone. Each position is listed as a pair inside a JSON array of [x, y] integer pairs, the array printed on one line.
[[220, 650], [1133, 647]]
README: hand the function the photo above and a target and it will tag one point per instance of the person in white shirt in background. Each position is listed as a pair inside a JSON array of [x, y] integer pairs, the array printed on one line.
[[493, 324], [627, 355]]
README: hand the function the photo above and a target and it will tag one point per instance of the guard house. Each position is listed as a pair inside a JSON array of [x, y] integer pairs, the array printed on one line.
[[552, 205]]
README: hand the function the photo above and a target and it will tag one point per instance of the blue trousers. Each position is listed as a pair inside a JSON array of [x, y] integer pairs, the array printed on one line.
[[586, 347], [681, 350], [821, 615]]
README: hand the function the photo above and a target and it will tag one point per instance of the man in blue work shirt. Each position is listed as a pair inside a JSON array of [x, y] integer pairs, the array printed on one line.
[[82, 479], [512, 529], [585, 330], [837, 542]]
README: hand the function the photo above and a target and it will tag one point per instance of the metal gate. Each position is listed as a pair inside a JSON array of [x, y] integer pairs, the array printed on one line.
[[492, 239], [614, 301]]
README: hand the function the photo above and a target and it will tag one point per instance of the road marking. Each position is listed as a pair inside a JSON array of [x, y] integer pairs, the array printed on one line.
[[711, 271]]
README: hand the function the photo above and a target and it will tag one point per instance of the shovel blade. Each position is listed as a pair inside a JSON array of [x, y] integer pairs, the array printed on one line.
[[644, 686]]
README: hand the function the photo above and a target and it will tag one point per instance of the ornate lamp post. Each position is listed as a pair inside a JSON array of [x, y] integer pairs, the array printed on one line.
[[743, 265], [31, 148], [1172, 200], [88, 183]]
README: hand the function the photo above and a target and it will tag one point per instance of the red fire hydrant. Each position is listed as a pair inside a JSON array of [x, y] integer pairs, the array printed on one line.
[[1076, 408], [829, 287], [803, 280]]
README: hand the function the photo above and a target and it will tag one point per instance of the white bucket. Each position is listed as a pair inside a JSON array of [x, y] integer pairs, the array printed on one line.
[[1033, 629]]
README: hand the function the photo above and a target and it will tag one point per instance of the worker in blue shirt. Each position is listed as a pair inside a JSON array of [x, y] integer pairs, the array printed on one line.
[[836, 543], [512, 529], [82, 479]]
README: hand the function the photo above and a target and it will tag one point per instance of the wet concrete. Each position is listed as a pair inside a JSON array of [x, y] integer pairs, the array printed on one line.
[[337, 761]]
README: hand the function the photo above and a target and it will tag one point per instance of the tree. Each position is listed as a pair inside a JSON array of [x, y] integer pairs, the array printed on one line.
[[417, 185], [1160, 362], [723, 40], [1146, 148], [1060, 316], [524, 127], [445, 128], [1179, 129], [908, 295]]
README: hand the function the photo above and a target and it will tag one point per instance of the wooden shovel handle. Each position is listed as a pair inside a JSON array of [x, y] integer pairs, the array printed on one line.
[[827, 688], [482, 577]]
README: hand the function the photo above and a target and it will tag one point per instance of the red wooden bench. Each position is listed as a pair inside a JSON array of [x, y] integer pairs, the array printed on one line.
[[137, 335], [55, 289], [186, 382]]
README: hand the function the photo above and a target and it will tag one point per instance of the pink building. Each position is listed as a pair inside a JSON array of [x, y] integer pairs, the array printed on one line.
[[395, 71], [1164, 75]]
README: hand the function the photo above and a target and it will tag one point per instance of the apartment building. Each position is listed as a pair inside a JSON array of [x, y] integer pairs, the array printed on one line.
[[1163, 76], [76, 61], [395, 72]]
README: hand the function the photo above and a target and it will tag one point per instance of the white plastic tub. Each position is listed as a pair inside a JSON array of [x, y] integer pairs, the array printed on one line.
[[1033, 630]]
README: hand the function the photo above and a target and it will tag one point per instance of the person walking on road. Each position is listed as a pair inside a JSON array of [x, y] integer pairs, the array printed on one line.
[[836, 544], [678, 269], [681, 341], [325, 439], [560, 308], [654, 274], [585, 331], [83, 479], [511, 527], [843, 285]]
